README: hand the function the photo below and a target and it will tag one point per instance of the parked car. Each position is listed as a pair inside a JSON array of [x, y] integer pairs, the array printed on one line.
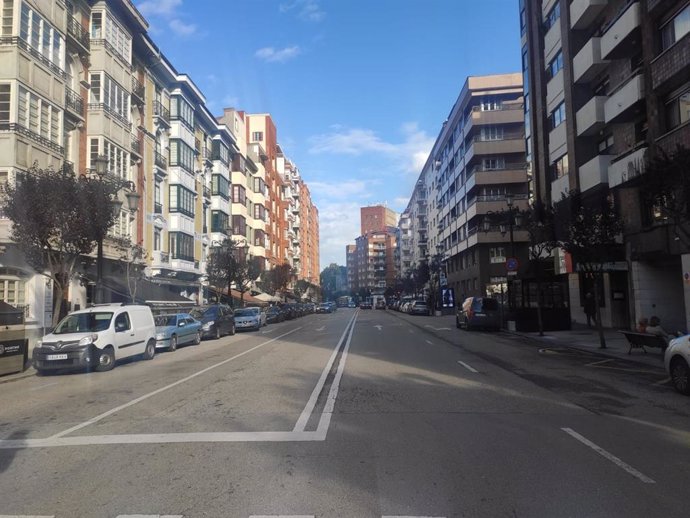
[[177, 329], [479, 312], [96, 337], [677, 362], [324, 307], [216, 320], [365, 304], [418, 307], [250, 318], [274, 315], [351, 304]]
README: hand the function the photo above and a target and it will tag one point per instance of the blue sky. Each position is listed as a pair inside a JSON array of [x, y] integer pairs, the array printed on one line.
[[358, 88]]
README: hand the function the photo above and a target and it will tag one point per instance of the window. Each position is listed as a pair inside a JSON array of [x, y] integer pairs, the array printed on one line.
[[523, 18], [552, 17], [490, 103], [221, 152], [557, 115], [219, 221], [497, 254], [105, 90], [674, 30], [678, 110], [181, 246], [555, 65], [122, 322], [239, 225], [259, 211], [493, 163], [182, 200], [39, 116], [220, 186], [257, 136], [559, 168], [4, 104], [156, 239], [97, 25], [239, 194], [259, 239], [157, 201], [605, 145], [38, 34], [118, 158], [113, 33], [12, 286], [7, 11], [182, 155], [492, 133], [122, 226], [181, 110], [259, 186]]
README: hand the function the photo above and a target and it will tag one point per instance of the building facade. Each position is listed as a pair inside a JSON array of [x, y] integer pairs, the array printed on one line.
[[607, 86], [376, 218]]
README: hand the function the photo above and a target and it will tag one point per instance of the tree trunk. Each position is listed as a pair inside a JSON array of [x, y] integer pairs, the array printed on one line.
[[241, 299], [597, 309], [57, 296]]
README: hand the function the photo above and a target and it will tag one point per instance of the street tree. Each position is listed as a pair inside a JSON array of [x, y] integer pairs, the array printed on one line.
[[666, 188], [539, 221], [222, 267], [247, 272], [132, 261], [593, 235], [56, 219]]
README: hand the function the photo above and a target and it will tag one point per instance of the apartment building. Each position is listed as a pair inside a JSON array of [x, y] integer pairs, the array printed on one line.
[[82, 80], [460, 207], [607, 86], [377, 218]]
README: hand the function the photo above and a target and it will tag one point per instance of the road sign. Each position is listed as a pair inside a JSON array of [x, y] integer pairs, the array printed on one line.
[[512, 264]]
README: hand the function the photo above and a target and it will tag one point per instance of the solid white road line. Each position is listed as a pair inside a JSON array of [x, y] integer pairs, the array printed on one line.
[[468, 367], [25, 516], [609, 456], [163, 389], [325, 420], [408, 516], [150, 516], [282, 516], [301, 423], [600, 362]]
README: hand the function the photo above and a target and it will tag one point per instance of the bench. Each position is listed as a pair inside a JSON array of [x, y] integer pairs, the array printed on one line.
[[643, 339]]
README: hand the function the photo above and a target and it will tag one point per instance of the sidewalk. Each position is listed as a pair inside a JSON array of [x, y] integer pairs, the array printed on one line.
[[580, 337]]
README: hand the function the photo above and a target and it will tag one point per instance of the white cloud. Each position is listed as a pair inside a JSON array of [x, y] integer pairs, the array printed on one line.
[[159, 7], [408, 155], [346, 189], [308, 10], [182, 29], [338, 227], [272, 55]]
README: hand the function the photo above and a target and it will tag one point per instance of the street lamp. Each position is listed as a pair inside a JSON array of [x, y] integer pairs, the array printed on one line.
[[113, 184]]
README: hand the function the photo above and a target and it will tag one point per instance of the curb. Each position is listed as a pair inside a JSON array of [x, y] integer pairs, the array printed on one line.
[[17, 376]]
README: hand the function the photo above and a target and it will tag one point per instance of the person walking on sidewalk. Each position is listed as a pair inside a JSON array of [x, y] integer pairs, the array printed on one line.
[[589, 308]]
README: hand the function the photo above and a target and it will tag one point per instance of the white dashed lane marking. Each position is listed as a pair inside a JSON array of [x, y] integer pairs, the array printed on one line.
[[468, 367]]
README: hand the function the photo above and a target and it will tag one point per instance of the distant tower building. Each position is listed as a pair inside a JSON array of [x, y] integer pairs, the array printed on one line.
[[376, 219]]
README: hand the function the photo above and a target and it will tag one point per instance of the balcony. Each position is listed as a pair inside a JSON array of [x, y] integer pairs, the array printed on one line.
[[583, 12], [590, 118], [508, 113], [554, 90], [623, 33], [74, 103], [78, 34], [508, 144], [627, 167], [558, 138], [670, 141], [671, 67], [135, 146], [594, 172], [510, 173], [620, 106], [161, 113], [138, 91], [207, 192], [160, 160], [552, 42], [587, 64], [161, 258]]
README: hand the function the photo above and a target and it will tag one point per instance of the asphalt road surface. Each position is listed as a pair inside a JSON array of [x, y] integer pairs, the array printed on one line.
[[351, 414]]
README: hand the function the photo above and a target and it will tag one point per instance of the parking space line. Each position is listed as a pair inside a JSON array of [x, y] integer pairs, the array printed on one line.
[[609, 456], [600, 362], [468, 367], [163, 389]]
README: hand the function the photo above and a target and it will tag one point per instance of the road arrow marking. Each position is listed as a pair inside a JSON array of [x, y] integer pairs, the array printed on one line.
[[321, 328]]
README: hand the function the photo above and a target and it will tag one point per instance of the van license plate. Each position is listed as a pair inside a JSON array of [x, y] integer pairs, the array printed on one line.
[[57, 356]]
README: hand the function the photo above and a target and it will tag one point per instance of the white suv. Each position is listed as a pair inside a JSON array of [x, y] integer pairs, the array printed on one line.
[[677, 361], [95, 337]]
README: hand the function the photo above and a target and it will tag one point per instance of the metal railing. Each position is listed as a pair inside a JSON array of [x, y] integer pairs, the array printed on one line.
[[21, 130], [74, 101], [136, 145], [498, 108], [138, 88], [160, 160], [78, 32], [109, 46], [110, 111], [161, 111], [19, 42]]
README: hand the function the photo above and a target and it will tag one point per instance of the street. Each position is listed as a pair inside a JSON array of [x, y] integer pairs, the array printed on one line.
[[351, 414]]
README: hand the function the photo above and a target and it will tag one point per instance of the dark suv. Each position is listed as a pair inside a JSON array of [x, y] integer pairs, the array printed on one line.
[[216, 320], [479, 312]]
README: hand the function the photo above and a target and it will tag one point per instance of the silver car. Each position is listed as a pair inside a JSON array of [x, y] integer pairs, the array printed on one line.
[[249, 318]]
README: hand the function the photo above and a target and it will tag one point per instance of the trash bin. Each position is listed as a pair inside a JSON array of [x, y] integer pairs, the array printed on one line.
[[14, 346]]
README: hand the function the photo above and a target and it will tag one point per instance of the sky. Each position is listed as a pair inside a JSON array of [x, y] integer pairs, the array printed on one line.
[[358, 89]]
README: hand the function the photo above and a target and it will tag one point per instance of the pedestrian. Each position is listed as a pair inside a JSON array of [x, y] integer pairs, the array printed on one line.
[[589, 308], [654, 328], [642, 324]]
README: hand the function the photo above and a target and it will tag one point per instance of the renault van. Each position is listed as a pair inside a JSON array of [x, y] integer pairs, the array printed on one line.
[[96, 337]]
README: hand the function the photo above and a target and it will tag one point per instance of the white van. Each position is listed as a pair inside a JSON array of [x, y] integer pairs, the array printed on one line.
[[95, 337]]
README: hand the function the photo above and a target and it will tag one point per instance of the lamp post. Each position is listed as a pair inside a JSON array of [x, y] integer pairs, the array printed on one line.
[[112, 184]]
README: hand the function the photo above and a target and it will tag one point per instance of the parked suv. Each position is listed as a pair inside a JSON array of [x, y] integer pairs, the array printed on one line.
[[478, 312], [96, 337], [216, 320]]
